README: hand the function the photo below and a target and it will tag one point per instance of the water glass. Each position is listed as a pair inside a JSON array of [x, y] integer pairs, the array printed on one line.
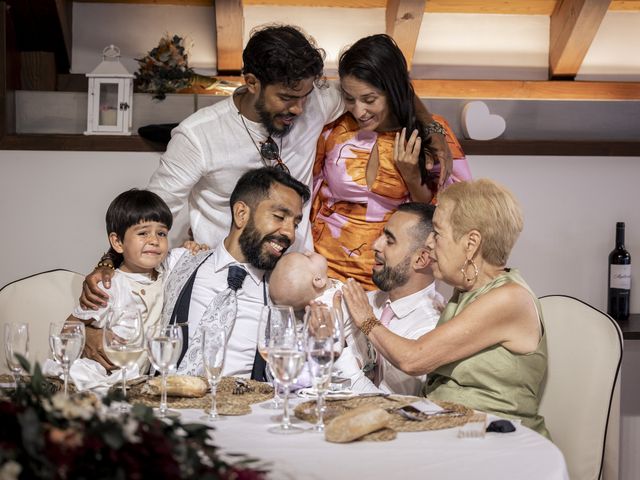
[[320, 354], [214, 346], [164, 345], [286, 360], [273, 321], [66, 340], [16, 341], [123, 341]]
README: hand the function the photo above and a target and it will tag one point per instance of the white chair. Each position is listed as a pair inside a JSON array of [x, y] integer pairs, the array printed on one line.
[[38, 300], [578, 399]]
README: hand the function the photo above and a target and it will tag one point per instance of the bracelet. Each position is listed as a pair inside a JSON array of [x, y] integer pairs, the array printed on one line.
[[369, 324], [105, 265], [434, 127]]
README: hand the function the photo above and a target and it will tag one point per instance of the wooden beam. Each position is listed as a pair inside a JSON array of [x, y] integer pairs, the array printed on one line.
[[64, 9], [528, 90], [229, 36], [3, 70], [574, 24], [403, 21], [506, 7]]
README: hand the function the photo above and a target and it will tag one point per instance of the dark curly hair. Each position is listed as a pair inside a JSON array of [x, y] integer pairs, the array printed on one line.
[[378, 61], [282, 54]]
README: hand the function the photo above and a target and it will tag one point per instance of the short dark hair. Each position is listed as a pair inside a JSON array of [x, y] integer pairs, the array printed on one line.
[[378, 61], [254, 186], [282, 54], [424, 212], [135, 206]]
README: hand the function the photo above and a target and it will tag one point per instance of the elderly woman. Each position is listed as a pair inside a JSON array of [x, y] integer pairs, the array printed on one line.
[[489, 350]]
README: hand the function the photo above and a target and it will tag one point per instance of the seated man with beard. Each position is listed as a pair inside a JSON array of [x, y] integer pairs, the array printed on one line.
[[266, 208], [407, 301]]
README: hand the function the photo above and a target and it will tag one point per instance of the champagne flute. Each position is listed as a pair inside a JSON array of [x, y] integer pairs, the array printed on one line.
[[164, 345], [16, 341], [66, 340], [123, 341], [320, 354], [273, 319], [286, 360], [214, 346]]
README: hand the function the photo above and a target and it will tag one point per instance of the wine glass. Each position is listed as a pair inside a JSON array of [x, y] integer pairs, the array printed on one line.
[[66, 340], [16, 341], [286, 360], [330, 321], [123, 341], [320, 353], [273, 319], [214, 345], [164, 345]]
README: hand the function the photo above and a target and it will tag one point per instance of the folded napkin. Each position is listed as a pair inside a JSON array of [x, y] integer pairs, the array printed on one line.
[[88, 374]]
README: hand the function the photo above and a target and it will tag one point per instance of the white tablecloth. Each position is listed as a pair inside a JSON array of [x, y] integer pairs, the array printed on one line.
[[521, 455]]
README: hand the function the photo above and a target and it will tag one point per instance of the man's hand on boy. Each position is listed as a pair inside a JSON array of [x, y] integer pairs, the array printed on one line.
[[93, 297], [94, 350], [195, 247]]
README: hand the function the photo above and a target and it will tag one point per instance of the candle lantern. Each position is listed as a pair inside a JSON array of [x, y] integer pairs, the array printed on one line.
[[110, 96]]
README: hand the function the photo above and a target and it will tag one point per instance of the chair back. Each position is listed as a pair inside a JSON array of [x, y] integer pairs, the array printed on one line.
[[585, 354], [38, 300]]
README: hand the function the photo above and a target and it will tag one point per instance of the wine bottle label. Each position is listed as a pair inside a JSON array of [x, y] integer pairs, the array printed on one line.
[[620, 277]]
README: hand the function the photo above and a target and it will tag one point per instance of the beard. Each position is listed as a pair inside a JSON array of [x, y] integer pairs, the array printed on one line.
[[252, 242], [388, 278], [266, 118]]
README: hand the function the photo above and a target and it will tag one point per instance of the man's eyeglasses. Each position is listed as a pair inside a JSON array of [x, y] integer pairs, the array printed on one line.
[[269, 151]]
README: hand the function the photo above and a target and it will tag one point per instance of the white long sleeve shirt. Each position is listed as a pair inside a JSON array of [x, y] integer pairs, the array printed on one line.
[[415, 315], [211, 149]]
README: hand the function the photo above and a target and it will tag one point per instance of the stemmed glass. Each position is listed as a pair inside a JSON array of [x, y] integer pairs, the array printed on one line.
[[214, 346], [320, 327], [286, 359], [123, 341], [16, 341], [322, 315], [164, 345], [66, 340], [273, 318]]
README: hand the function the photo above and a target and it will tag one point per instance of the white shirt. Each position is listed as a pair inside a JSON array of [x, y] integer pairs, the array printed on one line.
[[211, 279], [211, 149], [415, 315]]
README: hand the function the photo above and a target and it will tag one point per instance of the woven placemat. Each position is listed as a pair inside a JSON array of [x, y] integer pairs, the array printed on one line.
[[459, 414], [227, 403]]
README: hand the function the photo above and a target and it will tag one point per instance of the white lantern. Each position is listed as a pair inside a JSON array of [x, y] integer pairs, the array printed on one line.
[[110, 96]]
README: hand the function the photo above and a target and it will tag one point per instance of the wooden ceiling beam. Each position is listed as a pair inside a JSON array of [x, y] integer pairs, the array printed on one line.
[[528, 90], [574, 24], [229, 35], [508, 7], [403, 21]]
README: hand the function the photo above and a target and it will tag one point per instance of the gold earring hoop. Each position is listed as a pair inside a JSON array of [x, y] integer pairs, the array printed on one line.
[[463, 270]]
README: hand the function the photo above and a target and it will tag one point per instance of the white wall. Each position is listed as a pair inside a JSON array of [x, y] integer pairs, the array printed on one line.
[[52, 207]]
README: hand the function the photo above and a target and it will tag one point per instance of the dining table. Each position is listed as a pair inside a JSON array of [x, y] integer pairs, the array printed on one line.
[[434, 454]]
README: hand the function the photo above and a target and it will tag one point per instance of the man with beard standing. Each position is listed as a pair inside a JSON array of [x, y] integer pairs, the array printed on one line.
[[407, 301]]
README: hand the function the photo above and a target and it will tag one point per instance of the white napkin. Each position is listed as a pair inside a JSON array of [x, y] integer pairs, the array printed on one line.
[[88, 374]]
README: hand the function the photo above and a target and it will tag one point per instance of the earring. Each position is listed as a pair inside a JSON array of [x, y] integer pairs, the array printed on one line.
[[463, 270]]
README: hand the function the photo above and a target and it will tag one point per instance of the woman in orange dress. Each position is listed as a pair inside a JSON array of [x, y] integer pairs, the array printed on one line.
[[367, 164]]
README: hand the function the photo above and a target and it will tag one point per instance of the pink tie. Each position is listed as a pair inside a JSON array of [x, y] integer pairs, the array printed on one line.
[[387, 315]]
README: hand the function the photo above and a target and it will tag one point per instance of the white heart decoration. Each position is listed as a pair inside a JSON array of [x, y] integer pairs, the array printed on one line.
[[479, 124]]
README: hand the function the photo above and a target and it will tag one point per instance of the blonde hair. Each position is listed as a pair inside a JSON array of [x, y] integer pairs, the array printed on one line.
[[488, 207]]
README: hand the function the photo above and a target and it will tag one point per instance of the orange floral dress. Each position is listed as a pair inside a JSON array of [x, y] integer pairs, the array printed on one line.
[[347, 216]]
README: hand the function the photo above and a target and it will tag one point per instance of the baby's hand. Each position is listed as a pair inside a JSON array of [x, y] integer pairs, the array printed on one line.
[[195, 247]]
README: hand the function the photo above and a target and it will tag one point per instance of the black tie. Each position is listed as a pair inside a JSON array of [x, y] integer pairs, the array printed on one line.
[[235, 278]]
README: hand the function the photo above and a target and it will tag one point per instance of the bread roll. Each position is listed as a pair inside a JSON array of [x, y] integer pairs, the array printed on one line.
[[356, 423], [180, 386]]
